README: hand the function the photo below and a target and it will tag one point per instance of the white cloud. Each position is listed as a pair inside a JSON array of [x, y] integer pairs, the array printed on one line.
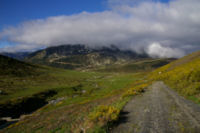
[[174, 25], [157, 50]]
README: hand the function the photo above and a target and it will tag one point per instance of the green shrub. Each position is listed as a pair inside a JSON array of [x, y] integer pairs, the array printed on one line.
[[104, 114]]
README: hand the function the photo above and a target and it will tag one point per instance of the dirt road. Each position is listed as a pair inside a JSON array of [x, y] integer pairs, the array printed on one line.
[[159, 110]]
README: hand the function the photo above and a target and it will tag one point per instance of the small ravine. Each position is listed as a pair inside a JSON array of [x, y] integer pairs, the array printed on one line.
[[13, 110]]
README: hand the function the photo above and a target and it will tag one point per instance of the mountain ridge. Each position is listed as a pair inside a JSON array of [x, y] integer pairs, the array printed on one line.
[[16, 55], [81, 56]]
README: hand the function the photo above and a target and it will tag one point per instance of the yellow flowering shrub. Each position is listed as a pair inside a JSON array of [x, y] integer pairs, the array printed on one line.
[[135, 90], [103, 114]]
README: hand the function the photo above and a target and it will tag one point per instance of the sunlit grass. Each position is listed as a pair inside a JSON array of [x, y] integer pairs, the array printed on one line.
[[182, 75]]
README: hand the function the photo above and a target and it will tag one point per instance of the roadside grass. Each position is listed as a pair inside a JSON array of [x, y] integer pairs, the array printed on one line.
[[103, 117], [196, 99], [182, 75]]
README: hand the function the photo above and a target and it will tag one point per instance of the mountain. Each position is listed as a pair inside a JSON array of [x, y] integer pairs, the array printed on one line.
[[81, 56], [183, 75], [17, 55]]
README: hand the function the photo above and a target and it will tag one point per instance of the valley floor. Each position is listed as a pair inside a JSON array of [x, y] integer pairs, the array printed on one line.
[[159, 110]]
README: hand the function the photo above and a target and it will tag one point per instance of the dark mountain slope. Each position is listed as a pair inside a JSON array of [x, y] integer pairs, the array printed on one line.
[[9, 66], [81, 56]]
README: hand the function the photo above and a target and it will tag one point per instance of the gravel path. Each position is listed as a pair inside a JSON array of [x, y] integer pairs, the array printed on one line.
[[159, 110]]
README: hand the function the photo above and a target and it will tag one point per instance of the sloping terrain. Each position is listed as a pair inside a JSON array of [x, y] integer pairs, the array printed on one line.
[[183, 75], [81, 56], [140, 65], [44, 99], [70, 97], [9, 66]]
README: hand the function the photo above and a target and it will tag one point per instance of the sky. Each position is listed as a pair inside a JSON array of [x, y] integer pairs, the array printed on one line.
[[160, 28]]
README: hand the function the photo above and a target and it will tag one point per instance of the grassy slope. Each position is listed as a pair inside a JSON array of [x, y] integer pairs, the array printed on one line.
[[71, 113], [12, 67], [137, 66], [183, 75], [100, 88]]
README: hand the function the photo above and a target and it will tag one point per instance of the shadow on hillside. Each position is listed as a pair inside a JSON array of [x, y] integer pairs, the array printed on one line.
[[27, 105]]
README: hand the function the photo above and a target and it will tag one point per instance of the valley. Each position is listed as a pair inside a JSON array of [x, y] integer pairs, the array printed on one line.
[[36, 97], [99, 66], [31, 90]]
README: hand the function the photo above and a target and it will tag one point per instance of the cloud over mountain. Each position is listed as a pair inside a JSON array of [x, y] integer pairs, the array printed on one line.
[[160, 29]]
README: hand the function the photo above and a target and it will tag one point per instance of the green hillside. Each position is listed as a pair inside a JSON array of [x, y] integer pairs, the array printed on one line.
[[9, 66], [66, 99], [183, 75], [140, 65]]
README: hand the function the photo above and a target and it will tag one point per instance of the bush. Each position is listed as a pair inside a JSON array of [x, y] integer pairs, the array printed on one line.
[[129, 93], [135, 91], [104, 114]]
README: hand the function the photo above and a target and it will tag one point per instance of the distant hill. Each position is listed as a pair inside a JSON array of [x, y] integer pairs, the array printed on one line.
[[140, 65], [183, 75], [81, 56], [17, 55], [10, 66]]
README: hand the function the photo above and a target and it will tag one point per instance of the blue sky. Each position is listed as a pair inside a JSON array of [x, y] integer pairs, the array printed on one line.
[[13, 12]]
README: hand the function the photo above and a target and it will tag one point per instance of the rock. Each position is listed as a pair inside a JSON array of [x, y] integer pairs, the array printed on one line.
[[56, 100], [83, 91], [75, 96]]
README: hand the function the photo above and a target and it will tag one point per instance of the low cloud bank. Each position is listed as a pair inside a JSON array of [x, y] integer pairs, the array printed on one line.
[[157, 50], [160, 29]]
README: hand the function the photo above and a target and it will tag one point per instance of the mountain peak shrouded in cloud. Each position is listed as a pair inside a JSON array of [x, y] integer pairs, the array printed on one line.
[[174, 26]]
